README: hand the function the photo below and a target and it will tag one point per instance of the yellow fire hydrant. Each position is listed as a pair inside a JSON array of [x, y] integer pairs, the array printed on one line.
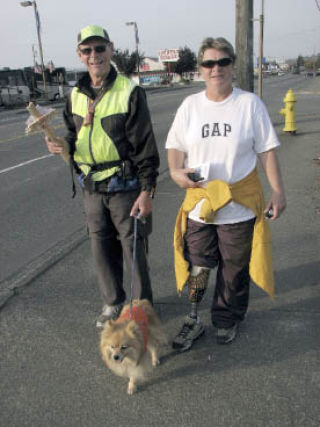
[[289, 112]]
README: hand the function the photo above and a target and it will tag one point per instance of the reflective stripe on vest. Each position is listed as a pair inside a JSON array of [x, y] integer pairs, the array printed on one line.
[[114, 101]]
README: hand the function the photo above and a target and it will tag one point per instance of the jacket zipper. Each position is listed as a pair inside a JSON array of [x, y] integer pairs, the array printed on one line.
[[90, 141]]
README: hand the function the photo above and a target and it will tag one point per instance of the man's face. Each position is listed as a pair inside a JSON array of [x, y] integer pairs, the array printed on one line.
[[96, 56]]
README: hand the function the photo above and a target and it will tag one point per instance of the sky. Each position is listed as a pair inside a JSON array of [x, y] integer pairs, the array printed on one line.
[[291, 28]]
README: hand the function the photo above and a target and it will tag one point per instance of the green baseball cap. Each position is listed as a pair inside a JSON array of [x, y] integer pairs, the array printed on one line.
[[92, 31]]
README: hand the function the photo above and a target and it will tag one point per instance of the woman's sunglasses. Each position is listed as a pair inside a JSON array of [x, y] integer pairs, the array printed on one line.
[[98, 49], [210, 63]]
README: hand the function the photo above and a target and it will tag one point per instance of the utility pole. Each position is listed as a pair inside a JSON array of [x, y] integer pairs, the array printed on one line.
[[244, 44], [261, 20]]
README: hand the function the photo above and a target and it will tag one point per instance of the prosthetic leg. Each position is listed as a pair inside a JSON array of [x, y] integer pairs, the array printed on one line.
[[193, 328], [197, 284]]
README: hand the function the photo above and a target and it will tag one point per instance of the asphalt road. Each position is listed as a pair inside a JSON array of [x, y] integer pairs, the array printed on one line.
[[52, 374]]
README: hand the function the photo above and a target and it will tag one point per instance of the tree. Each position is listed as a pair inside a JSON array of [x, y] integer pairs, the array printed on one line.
[[170, 67], [187, 61], [312, 62], [300, 61], [126, 63]]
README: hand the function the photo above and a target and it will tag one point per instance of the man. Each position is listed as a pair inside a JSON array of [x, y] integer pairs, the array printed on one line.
[[113, 150]]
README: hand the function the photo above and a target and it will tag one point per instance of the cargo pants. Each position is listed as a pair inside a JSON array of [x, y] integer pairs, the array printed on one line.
[[111, 232]]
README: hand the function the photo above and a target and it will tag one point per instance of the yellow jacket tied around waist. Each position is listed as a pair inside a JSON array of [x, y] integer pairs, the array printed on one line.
[[217, 194]]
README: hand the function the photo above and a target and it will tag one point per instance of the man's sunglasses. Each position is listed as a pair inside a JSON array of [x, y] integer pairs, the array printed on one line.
[[98, 49], [210, 63]]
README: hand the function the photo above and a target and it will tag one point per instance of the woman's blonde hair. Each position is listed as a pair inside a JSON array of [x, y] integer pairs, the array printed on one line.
[[219, 43]]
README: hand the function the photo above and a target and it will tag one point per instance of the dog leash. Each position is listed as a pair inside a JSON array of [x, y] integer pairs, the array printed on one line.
[[136, 218]]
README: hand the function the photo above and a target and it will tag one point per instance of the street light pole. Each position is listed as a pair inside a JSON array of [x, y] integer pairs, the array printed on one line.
[[36, 14], [137, 45], [261, 20]]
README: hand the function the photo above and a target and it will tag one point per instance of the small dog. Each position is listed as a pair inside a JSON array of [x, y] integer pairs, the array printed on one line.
[[129, 345]]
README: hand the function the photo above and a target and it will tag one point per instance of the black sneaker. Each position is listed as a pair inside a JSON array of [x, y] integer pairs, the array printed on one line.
[[191, 330], [109, 312], [227, 335]]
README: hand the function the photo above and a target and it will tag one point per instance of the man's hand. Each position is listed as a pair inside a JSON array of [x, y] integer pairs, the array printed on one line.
[[142, 205], [56, 145]]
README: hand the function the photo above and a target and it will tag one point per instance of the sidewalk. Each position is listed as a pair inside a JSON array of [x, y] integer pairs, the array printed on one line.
[[52, 373]]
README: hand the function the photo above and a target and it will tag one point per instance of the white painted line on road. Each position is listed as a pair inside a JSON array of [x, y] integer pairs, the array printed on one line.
[[25, 163]]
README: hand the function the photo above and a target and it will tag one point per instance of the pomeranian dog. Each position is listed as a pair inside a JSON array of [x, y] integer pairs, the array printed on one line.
[[130, 345]]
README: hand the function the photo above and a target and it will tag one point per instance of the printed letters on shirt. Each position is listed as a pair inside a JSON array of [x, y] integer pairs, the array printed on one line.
[[215, 129]]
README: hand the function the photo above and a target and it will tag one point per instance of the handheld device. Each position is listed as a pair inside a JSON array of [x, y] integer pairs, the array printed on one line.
[[195, 176], [269, 214]]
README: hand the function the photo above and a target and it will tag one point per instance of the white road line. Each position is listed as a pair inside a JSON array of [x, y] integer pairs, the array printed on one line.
[[25, 163]]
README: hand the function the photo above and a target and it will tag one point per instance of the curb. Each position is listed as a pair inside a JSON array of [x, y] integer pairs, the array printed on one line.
[[11, 286]]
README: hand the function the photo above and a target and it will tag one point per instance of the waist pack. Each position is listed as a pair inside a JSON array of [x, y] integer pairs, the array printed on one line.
[[124, 180], [113, 184]]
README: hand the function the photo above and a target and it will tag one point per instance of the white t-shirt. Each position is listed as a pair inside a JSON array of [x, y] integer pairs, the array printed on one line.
[[223, 139]]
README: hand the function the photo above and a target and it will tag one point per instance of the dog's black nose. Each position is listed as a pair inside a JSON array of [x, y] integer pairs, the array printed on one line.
[[116, 357]]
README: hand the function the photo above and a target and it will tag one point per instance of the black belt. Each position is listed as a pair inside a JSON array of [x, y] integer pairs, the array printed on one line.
[[105, 165]]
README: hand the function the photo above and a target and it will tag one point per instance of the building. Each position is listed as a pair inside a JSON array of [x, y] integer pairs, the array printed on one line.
[[151, 64]]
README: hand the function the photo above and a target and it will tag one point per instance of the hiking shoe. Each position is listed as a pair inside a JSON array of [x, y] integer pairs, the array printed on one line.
[[191, 330], [227, 335], [109, 312]]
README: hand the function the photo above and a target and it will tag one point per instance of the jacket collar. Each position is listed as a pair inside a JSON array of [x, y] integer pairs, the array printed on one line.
[[84, 84]]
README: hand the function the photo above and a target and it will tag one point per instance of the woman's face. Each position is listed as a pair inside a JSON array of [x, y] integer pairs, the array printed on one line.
[[217, 77]]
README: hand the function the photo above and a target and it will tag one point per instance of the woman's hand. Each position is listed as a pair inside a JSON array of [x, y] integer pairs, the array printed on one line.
[[178, 173], [180, 177], [277, 203]]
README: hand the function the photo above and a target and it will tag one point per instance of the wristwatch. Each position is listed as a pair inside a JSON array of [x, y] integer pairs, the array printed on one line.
[[150, 190]]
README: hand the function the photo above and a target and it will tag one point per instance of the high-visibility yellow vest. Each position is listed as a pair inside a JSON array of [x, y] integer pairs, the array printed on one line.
[[93, 145]]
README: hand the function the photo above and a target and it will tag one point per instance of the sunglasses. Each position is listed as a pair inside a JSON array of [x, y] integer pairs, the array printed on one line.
[[210, 63], [98, 49]]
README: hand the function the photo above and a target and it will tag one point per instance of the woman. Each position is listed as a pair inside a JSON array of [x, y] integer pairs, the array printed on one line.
[[219, 133]]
